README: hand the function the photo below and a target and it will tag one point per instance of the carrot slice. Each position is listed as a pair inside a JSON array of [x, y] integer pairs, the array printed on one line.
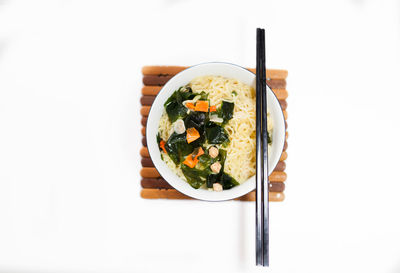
[[201, 152], [213, 108], [201, 106], [190, 105], [192, 134], [162, 146], [192, 160]]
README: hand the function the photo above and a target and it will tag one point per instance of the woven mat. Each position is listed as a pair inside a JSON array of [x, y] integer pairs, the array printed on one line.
[[153, 185]]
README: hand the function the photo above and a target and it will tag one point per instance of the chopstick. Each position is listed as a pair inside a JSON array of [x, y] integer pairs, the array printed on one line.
[[262, 182]]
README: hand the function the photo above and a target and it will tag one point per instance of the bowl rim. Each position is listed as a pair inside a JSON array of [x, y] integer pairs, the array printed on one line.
[[152, 156]]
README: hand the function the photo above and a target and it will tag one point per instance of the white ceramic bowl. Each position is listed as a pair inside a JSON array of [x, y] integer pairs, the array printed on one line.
[[218, 69]]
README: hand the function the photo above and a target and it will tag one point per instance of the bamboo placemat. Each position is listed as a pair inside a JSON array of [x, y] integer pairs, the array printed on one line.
[[153, 185]]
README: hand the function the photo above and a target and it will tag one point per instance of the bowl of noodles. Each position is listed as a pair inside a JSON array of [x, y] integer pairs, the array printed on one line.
[[201, 131]]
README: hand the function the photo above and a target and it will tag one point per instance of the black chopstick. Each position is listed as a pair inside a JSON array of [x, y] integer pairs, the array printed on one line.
[[262, 182]]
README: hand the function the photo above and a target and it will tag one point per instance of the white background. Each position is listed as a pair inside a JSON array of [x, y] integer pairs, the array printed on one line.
[[70, 84]]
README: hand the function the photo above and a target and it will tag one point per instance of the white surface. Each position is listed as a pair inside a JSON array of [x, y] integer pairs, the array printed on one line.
[[69, 143], [218, 69]]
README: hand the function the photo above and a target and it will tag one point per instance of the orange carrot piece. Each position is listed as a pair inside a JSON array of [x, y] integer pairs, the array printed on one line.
[[201, 152], [192, 160], [201, 106], [192, 134], [190, 105], [213, 108], [162, 146]]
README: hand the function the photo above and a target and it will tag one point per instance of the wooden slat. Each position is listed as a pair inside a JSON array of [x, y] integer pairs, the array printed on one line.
[[144, 111], [145, 153], [174, 194], [162, 80], [160, 183], [146, 162], [156, 79], [173, 70], [155, 183], [273, 197], [144, 121], [148, 101], [285, 115], [283, 104], [283, 156], [151, 172], [285, 146], [150, 90], [280, 167], [144, 143], [162, 70], [281, 94], [273, 73]]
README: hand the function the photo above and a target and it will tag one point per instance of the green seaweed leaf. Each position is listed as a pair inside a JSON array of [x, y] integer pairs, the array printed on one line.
[[195, 177], [228, 181], [226, 111], [215, 134], [177, 147]]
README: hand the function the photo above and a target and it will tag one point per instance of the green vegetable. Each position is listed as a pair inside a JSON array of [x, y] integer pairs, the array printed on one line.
[[204, 95], [186, 93], [215, 134], [226, 111], [222, 157], [211, 179], [234, 93], [205, 161], [180, 95], [195, 177], [196, 120], [175, 110], [159, 140], [186, 88], [174, 107], [158, 144], [228, 182], [177, 147]]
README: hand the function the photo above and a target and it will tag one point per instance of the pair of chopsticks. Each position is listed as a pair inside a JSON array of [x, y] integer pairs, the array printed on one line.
[[262, 182]]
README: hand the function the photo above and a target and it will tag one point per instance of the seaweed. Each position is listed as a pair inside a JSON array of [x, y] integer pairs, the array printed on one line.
[[196, 120], [195, 177], [175, 110], [174, 107], [211, 179], [228, 181], [177, 147], [226, 111], [216, 134]]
